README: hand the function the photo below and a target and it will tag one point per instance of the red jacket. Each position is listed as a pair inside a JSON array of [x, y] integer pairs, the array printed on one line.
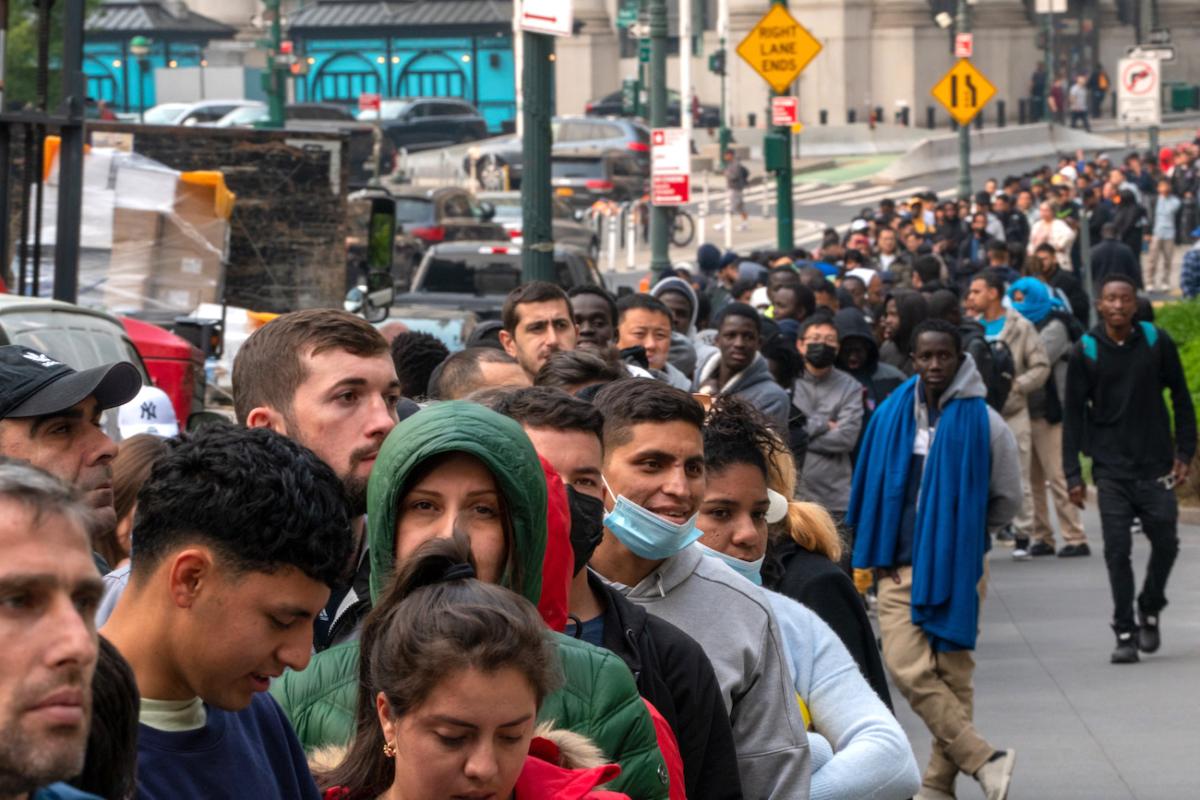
[[542, 779], [559, 561]]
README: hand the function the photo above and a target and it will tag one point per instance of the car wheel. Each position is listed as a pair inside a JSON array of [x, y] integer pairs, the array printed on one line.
[[489, 171]]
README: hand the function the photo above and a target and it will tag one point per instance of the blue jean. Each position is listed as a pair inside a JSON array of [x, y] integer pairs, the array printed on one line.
[[1156, 507]]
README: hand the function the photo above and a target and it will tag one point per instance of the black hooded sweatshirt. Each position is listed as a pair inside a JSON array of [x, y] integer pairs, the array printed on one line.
[[1115, 411], [878, 379]]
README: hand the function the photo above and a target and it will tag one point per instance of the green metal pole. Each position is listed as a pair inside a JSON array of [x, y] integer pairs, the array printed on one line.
[[783, 180], [537, 253], [276, 95], [963, 25], [660, 260]]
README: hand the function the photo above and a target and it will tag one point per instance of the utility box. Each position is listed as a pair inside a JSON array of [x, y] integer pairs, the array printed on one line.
[[775, 152]]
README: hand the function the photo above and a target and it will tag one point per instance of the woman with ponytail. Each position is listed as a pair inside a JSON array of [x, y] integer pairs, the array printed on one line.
[[858, 748], [452, 674], [805, 552]]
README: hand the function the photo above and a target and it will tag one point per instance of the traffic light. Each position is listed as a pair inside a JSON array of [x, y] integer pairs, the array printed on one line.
[[716, 62]]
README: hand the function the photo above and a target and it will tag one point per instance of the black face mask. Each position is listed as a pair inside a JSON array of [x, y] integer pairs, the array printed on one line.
[[820, 355], [587, 526]]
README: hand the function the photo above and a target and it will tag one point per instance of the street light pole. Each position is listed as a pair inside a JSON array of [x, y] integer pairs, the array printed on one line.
[[962, 24], [723, 136], [537, 252], [139, 48], [275, 98], [660, 260], [784, 230]]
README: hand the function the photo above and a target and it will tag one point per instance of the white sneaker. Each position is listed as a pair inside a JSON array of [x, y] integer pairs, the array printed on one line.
[[742, 226], [1020, 554], [996, 776], [720, 226]]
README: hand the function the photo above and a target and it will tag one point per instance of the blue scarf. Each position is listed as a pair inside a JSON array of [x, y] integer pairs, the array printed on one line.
[[1037, 303], [950, 536]]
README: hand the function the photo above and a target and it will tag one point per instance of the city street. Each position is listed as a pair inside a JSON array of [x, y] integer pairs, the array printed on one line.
[[1082, 727]]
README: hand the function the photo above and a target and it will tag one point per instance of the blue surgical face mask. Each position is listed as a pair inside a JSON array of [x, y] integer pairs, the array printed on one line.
[[645, 533], [750, 570]]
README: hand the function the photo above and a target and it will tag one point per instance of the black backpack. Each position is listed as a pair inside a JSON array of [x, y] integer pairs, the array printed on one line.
[[995, 363]]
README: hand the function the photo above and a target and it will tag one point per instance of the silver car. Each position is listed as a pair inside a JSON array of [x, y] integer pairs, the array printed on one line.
[[568, 226]]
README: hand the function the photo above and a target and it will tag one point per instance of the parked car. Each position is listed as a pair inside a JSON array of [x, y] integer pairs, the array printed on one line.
[[323, 117], [568, 225], [425, 123], [708, 116], [477, 276], [570, 135], [205, 111], [582, 179], [79, 337]]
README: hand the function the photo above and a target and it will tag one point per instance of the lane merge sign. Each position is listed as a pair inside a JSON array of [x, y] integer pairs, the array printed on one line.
[[964, 91]]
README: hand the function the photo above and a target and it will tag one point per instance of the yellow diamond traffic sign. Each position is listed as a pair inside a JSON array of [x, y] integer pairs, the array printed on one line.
[[963, 91], [778, 48]]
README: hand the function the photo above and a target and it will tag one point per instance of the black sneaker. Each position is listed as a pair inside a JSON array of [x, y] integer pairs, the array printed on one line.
[[1074, 550], [1148, 639], [1005, 537], [1126, 651], [1041, 549]]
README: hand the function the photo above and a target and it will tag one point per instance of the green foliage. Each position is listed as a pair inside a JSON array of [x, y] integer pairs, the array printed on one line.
[[1182, 322], [20, 78]]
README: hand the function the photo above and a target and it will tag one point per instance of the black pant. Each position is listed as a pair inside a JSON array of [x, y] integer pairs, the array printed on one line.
[[1080, 116], [1155, 506]]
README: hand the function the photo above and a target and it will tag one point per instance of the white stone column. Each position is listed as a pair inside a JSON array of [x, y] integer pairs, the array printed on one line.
[[587, 63]]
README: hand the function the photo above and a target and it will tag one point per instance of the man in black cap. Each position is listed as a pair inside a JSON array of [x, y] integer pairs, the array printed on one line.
[[50, 417]]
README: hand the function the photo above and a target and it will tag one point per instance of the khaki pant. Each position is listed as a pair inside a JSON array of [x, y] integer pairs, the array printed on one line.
[[1161, 254], [1046, 468], [938, 686], [1019, 425]]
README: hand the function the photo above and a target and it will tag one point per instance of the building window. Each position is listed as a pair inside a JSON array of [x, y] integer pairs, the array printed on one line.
[[345, 76]]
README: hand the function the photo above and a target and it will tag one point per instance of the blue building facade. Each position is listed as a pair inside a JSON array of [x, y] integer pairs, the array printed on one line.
[[433, 48], [125, 81]]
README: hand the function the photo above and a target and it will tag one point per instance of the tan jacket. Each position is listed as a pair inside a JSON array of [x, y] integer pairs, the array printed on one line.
[[1029, 357]]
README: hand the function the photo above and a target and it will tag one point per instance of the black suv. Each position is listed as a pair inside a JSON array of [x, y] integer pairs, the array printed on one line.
[[582, 179], [425, 123], [707, 115]]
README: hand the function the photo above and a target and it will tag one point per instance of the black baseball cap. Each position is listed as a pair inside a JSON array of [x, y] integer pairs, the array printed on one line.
[[32, 384]]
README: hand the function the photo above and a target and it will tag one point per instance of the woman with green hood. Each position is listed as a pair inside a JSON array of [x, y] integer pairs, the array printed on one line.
[[458, 464]]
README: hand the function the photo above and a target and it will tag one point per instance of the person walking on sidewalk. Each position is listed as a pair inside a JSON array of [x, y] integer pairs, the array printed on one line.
[[1115, 414], [938, 471], [737, 178], [1031, 298], [1161, 272], [1031, 369], [1077, 102]]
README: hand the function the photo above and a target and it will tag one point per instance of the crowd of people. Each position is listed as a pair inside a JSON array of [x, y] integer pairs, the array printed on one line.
[[618, 546]]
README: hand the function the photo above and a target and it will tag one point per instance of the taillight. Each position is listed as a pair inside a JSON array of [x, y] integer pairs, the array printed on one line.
[[496, 251], [430, 233], [587, 108], [514, 233], [597, 185], [637, 147]]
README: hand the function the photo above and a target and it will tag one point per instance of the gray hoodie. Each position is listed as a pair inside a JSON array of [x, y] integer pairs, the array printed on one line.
[[732, 620], [755, 384], [1004, 490], [836, 397], [686, 351]]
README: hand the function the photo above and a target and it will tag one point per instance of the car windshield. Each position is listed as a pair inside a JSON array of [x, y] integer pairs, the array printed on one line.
[[577, 168], [166, 113], [413, 210], [474, 274], [389, 109], [246, 115]]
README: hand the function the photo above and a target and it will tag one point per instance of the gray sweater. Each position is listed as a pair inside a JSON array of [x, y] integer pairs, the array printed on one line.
[[755, 384], [836, 397], [732, 620]]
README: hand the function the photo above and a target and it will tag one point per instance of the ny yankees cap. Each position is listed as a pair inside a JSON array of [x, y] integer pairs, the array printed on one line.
[[149, 412], [32, 384]]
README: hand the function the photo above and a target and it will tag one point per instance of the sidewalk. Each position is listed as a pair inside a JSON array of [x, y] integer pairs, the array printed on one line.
[[1084, 728]]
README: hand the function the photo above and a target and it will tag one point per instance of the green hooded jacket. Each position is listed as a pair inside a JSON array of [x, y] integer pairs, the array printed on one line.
[[599, 698]]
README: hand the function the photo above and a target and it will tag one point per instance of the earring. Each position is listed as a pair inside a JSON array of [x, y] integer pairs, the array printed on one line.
[[389, 750]]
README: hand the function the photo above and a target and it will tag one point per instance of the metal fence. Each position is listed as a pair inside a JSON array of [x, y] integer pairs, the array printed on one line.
[[25, 154]]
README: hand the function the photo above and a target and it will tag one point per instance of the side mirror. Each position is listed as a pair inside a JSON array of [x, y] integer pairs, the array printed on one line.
[[486, 211]]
